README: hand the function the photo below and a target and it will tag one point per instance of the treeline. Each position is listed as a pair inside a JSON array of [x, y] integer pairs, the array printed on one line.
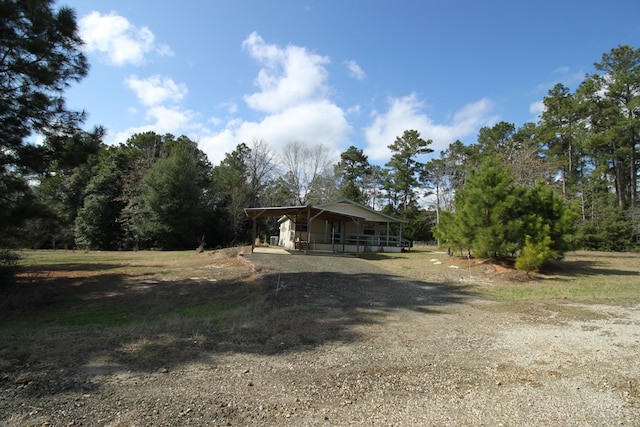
[[585, 147], [569, 180], [159, 191]]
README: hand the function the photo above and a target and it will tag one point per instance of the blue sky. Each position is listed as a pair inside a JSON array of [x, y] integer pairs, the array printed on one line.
[[334, 72]]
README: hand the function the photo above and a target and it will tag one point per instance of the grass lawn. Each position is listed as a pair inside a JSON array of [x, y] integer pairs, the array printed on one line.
[[148, 309], [89, 289], [582, 276]]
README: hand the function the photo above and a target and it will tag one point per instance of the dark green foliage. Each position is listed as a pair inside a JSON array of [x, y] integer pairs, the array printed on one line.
[[232, 194], [170, 214], [61, 190], [97, 225], [486, 211], [496, 218], [404, 169], [353, 169], [420, 224], [40, 57], [610, 231]]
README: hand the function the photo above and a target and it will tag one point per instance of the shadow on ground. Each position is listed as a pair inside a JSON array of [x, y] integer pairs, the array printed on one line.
[[577, 268], [106, 323]]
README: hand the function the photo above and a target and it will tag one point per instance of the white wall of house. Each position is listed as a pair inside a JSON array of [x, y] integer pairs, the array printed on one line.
[[346, 236], [357, 229]]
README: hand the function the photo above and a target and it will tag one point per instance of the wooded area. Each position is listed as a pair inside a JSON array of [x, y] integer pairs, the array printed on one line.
[[569, 180]]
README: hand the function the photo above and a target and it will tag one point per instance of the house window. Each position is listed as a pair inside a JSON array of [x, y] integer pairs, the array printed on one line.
[[301, 226]]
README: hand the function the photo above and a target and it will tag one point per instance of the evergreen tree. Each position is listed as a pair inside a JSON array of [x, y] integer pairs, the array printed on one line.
[[484, 211], [494, 217], [98, 224], [352, 169], [404, 168], [62, 188], [40, 56], [232, 193], [561, 128], [171, 213], [621, 83]]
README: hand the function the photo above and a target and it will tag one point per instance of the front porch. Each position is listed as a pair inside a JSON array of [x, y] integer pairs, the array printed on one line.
[[339, 227], [351, 243]]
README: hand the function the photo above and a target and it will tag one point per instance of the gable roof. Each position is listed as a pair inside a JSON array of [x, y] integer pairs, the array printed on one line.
[[369, 214], [306, 211], [340, 209]]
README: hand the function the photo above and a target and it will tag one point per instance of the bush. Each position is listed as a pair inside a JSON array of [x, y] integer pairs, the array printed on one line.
[[535, 254]]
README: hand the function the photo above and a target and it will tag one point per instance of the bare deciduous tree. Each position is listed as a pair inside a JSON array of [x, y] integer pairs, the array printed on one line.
[[261, 167], [304, 166]]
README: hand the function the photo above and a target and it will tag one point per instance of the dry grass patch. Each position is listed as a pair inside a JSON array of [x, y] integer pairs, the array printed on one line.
[[583, 276], [141, 309]]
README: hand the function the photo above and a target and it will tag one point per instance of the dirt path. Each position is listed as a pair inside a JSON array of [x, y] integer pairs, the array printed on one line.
[[344, 342]]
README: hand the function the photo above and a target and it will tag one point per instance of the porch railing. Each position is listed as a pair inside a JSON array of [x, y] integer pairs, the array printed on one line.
[[354, 239]]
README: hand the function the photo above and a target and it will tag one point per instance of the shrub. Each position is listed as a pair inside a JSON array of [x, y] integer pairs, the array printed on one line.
[[535, 254]]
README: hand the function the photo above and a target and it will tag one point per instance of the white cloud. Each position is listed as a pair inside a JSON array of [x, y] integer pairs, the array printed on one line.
[[170, 119], [292, 93], [155, 90], [536, 109], [290, 76], [567, 78], [355, 70], [174, 120], [120, 41], [122, 136], [311, 123], [407, 113]]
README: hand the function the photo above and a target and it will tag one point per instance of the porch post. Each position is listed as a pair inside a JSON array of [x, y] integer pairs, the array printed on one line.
[[333, 237], [388, 233], [306, 249], [253, 240], [358, 237]]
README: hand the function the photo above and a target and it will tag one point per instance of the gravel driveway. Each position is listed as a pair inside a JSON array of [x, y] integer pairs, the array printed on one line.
[[403, 352]]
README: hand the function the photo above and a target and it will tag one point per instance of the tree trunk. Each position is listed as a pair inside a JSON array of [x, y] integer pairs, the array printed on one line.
[[618, 176], [633, 169]]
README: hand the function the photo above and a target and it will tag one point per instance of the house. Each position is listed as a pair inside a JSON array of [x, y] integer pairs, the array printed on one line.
[[340, 226]]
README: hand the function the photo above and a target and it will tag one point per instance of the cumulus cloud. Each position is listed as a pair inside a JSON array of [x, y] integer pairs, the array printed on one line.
[[311, 123], [289, 75], [118, 40], [168, 119], [292, 96], [293, 104], [407, 113], [354, 70], [162, 119], [536, 109], [156, 89]]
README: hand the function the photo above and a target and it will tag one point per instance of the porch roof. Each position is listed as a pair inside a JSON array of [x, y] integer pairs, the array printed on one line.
[[338, 210], [310, 212]]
